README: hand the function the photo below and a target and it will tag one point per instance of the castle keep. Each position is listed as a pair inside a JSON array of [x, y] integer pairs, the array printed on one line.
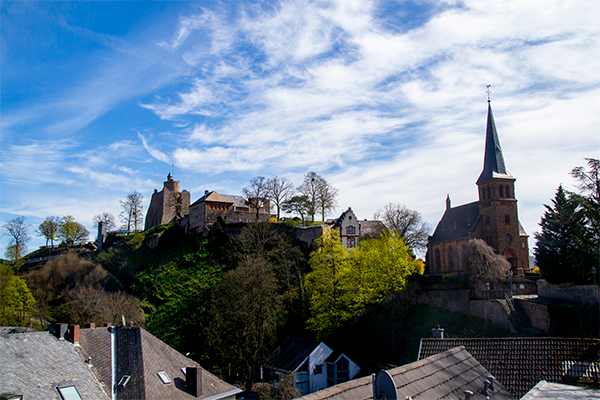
[[493, 218], [169, 205]]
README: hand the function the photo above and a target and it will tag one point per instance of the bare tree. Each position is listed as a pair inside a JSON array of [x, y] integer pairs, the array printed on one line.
[[18, 230], [131, 211], [326, 197], [257, 193], [49, 229], [406, 223], [279, 190], [71, 231], [482, 263], [107, 219]]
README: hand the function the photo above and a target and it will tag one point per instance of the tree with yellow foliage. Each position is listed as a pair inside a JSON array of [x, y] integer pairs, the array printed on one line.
[[344, 281]]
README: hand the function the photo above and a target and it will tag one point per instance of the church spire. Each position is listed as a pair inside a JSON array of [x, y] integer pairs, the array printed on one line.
[[493, 163]]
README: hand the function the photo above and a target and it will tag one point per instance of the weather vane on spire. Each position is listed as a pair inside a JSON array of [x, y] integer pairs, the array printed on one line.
[[488, 91]]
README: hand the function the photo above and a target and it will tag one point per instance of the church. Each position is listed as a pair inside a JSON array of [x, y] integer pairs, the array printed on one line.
[[493, 218]]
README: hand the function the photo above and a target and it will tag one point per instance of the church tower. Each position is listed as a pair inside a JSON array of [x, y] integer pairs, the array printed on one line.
[[499, 224]]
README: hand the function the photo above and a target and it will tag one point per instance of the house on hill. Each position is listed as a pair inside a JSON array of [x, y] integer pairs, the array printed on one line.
[[313, 364], [493, 218], [351, 230]]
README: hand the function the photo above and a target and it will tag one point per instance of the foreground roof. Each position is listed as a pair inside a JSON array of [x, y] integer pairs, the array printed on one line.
[[442, 376], [520, 363], [550, 391], [456, 223], [289, 355], [142, 356], [35, 364]]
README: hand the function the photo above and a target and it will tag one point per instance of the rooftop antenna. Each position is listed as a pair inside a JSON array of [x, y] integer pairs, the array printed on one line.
[[488, 91]]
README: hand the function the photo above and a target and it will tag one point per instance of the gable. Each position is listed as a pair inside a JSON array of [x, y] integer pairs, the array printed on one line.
[[290, 354]]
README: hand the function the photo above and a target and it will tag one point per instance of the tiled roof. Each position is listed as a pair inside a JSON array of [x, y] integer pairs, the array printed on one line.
[[371, 229], [142, 355], [456, 223], [213, 197], [289, 355], [552, 391], [35, 364], [442, 376], [520, 363]]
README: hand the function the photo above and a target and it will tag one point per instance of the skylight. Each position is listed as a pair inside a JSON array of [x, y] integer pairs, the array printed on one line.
[[69, 393], [164, 377]]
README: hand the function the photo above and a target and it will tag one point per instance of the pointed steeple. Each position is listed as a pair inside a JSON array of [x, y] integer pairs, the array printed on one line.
[[493, 163]]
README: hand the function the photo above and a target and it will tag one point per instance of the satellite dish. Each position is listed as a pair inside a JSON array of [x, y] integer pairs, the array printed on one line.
[[384, 387]]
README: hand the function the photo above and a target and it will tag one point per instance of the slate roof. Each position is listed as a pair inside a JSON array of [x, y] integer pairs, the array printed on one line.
[[371, 229], [213, 197], [493, 162], [442, 376], [456, 223], [289, 355], [520, 363], [551, 391], [34, 364], [238, 201], [142, 355]]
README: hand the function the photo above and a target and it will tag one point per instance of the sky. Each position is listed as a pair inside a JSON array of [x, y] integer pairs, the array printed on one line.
[[386, 100]]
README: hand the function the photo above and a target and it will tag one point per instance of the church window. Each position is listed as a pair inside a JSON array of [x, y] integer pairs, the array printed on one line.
[[501, 191], [488, 192], [487, 220], [482, 193], [507, 219], [507, 191], [451, 258], [350, 230], [438, 264], [508, 238]]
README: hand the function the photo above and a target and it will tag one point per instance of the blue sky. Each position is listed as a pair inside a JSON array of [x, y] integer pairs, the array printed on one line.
[[385, 99]]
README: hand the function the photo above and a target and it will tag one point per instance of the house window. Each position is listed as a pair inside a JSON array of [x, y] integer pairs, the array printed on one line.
[[69, 393], [351, 242], [338, 372], [301, 378], [164, 378], [350, 230], [507, 219]]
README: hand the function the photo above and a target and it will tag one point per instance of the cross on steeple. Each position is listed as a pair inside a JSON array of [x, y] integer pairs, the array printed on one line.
[[488, 91]]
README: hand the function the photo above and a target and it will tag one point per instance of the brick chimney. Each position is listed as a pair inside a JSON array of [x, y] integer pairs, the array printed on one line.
[[74, 333], [193, 376], [107, 325], [91, 325]]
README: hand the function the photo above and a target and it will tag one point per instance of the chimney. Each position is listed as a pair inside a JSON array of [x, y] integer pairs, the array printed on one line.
[[60, 330], [437, 333], [468, 394], [108, 325], [91, 325], [206, 193], [491, 379], [193, 377], [74, 334]]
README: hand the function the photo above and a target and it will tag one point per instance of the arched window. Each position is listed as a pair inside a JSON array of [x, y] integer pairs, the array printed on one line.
[[501, 191], [438, 261], [351, 242], [451, 258], [488, 192], [507, 191]]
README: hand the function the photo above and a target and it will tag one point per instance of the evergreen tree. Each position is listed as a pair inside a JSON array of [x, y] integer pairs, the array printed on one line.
[[561, 251]]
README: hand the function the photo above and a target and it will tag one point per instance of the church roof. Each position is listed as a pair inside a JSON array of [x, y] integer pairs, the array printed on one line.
[[456, 223], [493, 163]]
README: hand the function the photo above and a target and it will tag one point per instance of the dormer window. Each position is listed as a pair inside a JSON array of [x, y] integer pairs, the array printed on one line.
[[69, 393], [164, 378]]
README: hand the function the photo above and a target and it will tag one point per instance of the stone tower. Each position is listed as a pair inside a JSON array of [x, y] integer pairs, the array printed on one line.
[[169, 205], [499, 223]]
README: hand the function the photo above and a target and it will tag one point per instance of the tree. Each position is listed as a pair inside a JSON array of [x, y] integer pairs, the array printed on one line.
[[131, 211], [589, 201], [71, 231], [320, 194], [482, 263], [49, 229], [15, 298], [107, 219], [257, 193], [343, 282], [18, 230], [279, 190], [300, 205], [244, 315], [562, 251], [405, 223]]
